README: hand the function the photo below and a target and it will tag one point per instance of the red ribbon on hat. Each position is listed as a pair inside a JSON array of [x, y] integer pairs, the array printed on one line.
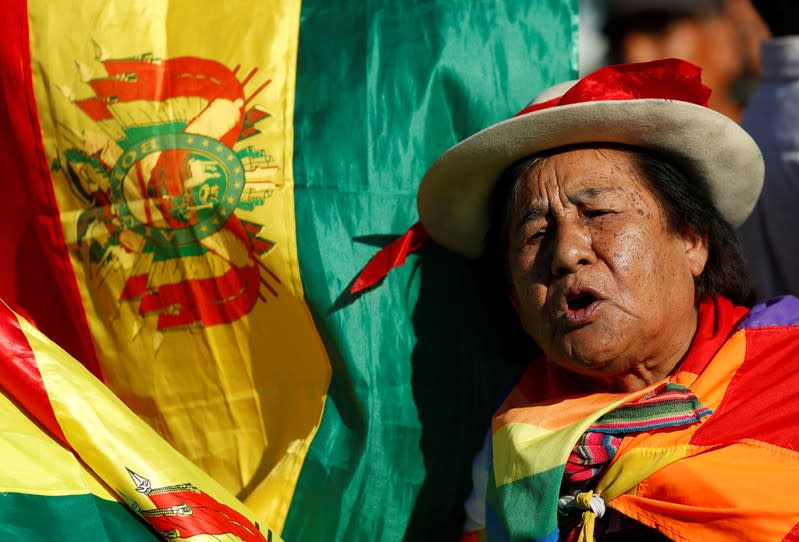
[[669, 79], [390, 256]]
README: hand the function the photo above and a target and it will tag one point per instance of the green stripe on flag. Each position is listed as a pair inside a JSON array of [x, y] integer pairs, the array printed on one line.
[[382, 89], [69, 518], [527, 514]]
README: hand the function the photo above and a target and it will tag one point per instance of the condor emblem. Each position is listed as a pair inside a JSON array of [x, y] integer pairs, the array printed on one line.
[[170, 180]]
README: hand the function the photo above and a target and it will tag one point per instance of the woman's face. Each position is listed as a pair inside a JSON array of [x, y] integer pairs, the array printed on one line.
[[598, 280]]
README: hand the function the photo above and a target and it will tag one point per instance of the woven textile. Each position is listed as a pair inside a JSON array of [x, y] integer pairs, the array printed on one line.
[[670, 405]]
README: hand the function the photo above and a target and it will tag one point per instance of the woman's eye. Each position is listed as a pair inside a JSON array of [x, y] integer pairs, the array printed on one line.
[[537, 236], [594, 213]]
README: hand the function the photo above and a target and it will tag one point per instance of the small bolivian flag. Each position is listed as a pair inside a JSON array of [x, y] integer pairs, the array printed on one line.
[[81, 466], [189, 187]]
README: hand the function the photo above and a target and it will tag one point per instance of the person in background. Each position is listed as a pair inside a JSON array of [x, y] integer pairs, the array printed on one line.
[[721, 36], [772, 118]]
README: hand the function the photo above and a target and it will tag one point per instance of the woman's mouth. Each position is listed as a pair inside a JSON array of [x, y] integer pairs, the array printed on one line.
[[579, 305]]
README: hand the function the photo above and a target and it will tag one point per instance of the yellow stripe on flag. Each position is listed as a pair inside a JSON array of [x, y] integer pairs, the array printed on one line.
[[41, 466], [168, 127], [636, 465]]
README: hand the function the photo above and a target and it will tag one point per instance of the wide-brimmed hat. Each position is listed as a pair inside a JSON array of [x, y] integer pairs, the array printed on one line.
[[659, 105]]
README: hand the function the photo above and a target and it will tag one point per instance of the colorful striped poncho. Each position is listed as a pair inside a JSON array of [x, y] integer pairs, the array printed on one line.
[[729, 476]]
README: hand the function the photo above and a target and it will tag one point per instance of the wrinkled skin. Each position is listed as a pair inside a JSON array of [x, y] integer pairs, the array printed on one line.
[[597, 278]]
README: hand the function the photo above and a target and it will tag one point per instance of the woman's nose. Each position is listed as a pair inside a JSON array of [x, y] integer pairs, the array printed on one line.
[[572, 248]]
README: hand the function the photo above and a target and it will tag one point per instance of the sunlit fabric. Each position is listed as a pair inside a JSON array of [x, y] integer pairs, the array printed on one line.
[[382, 90], [192, 186], [730, 472]]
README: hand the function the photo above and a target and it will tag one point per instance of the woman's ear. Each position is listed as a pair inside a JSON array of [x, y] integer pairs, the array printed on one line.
[[510, 295], [696, 251]]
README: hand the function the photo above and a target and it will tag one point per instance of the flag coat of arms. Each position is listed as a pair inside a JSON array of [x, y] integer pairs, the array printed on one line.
[[192, 186]]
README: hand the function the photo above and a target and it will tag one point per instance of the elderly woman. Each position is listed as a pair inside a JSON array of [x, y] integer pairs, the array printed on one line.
[[661, 406]]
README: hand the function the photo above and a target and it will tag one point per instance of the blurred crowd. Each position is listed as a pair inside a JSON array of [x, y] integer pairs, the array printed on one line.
[[722, 36]]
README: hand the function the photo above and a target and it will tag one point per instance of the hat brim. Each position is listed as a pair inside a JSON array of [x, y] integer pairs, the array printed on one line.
[[454, 194]]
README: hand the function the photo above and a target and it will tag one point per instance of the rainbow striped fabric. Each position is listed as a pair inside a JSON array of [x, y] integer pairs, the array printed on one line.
[[730, 476], [668, 405]]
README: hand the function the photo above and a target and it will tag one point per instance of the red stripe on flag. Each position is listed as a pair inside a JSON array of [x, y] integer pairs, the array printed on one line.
[[37, 275], [20, 376]]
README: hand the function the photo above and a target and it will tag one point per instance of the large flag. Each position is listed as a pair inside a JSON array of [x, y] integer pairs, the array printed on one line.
[[190, 188]]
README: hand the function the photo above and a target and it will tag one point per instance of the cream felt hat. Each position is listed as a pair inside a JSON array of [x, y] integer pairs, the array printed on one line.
[[659, 105]]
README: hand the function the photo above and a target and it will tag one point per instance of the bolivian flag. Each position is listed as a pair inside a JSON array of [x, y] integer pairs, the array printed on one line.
[[79, 465], [189, 189]]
